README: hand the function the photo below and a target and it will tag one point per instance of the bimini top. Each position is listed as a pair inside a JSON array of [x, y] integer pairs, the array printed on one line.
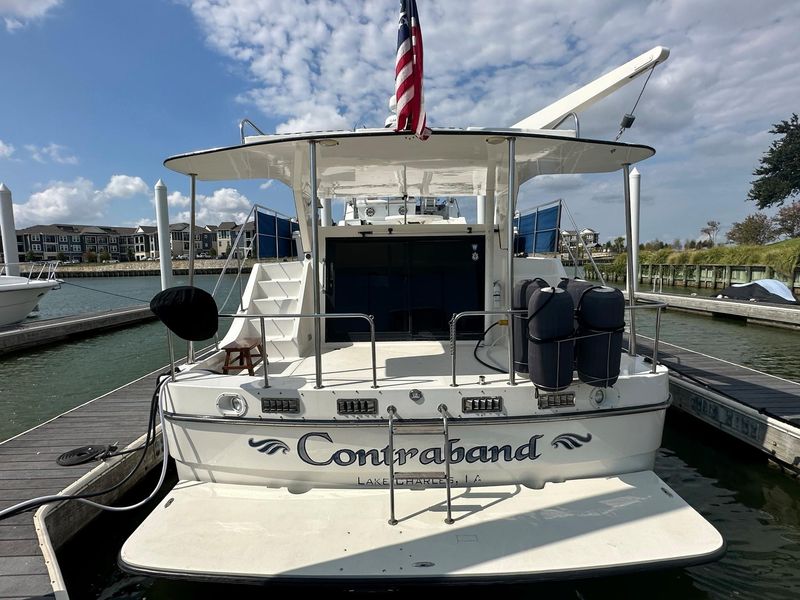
[[381, 162]]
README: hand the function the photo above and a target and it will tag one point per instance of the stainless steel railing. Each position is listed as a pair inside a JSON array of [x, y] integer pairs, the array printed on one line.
[[37, 271], [240, 249], [478, 313], [369, 318], [244, 122], [657, 306]]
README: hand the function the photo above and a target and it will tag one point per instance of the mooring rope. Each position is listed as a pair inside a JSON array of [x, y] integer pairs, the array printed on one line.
[[106, 292]]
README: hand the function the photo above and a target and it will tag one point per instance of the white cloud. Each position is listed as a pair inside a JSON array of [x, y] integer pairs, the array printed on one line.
[[266, 185], [6, 150], [52, 152], [125, 186], [225, 204], [61, 202], [18, 13], [176, 199], [77, 201], [319, 65]]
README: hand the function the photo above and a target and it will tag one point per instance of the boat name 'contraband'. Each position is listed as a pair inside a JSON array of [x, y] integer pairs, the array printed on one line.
[[345, 457]]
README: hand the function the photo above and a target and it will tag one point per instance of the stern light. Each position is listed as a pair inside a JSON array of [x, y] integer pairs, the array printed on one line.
[[231, 405]]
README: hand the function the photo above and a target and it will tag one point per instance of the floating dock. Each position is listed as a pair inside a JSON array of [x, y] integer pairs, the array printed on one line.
[[763, 313], [36, 333], [28, 469], [759, 409]]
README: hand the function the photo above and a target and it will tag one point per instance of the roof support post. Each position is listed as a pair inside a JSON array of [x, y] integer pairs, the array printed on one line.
[[192, 211], [629, 273], [314, 212], [512, 192]]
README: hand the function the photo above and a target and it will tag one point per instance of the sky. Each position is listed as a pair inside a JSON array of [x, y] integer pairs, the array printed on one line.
[[95, 95]]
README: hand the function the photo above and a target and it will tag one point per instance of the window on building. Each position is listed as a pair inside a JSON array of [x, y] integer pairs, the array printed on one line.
[[76, 238], [63, 238], [114, 249], [36, 247], [76, 247], [63, 247], [35, 237]]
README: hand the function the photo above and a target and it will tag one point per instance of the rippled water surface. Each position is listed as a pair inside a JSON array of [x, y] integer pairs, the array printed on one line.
[[753, 504]]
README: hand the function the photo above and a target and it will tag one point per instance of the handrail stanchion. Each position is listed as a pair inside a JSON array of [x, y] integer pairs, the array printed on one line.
[[655, 340], [264, 352], [374, 359], [171, 354], [453, 348]]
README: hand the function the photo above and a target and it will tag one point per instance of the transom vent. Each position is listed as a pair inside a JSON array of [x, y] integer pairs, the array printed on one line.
[[357, 406]]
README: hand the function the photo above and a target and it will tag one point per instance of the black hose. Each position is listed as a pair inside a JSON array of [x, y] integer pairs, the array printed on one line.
[[482, 338], [150, 439]]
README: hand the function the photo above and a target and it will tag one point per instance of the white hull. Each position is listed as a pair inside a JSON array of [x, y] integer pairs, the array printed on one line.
[[19, 296], [573, 529], [488, 451]]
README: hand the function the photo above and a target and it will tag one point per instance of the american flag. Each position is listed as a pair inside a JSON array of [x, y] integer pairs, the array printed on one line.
[[408, 73]]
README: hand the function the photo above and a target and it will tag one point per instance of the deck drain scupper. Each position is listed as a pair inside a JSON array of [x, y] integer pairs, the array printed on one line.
[[423, 564]]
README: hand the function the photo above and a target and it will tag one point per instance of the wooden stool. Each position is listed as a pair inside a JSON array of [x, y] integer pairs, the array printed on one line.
[[238, 355]]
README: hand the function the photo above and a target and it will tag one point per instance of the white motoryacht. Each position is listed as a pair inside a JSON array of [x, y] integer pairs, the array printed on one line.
[[19, 295], [433, 408]]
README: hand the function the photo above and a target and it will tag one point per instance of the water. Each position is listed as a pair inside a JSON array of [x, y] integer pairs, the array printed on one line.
[[36, 386], [753, 504]]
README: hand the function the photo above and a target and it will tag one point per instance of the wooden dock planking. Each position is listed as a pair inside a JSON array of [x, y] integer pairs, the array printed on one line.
[[760, 409], [28, 469]]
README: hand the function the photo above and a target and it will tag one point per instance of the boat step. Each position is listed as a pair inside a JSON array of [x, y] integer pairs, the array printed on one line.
[[419, 475], [273, 288], [401, 428]]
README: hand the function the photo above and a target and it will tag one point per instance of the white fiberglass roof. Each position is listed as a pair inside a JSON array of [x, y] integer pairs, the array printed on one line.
[[380, 162]]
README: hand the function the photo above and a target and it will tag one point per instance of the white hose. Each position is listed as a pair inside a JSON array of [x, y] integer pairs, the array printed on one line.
[[58, 497]]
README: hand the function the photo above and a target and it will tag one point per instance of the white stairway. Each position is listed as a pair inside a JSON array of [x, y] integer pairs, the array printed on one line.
[[278, 290]]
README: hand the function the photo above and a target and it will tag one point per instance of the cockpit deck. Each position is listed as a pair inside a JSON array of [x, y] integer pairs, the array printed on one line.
[[412, 364]]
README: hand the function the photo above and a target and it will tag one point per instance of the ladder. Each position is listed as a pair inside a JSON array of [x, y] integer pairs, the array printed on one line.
[[399, 427]]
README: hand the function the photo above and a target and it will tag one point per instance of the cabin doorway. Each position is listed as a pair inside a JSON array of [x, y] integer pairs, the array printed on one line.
[[411, 285]]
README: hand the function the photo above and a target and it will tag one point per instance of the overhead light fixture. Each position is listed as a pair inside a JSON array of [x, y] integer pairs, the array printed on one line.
[[495, 139], [328, 142]]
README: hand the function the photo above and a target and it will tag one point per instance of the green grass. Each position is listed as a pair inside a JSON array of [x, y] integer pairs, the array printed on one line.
[[783, 257]]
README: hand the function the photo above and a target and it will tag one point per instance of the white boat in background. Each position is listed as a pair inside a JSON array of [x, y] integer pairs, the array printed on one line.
[[402, 431], [19, 295]]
